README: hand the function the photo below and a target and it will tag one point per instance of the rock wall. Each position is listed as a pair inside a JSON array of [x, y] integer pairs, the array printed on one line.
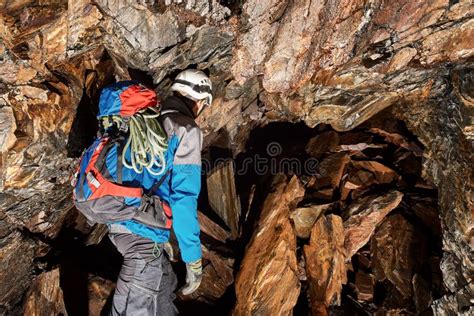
[[336, 62]]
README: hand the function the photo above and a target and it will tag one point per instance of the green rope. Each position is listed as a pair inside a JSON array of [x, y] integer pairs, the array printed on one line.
[[147, 142]]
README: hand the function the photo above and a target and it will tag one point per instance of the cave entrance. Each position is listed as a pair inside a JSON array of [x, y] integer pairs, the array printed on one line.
[[395, 268], [394, 257]]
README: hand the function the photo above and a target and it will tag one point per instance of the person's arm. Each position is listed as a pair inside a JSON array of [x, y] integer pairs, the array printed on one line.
[[185, 188]]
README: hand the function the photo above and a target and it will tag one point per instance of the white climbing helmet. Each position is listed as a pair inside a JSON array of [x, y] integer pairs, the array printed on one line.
[[193, 84]]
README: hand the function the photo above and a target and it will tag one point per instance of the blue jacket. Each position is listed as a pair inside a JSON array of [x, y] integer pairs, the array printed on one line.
[[182, 185]]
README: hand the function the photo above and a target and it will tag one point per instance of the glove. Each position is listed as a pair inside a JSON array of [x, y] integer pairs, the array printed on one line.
[[193, 277], [169, 251]]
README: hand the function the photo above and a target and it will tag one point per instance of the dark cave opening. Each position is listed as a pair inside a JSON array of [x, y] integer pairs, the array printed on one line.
[[381, 140], [85, 126]]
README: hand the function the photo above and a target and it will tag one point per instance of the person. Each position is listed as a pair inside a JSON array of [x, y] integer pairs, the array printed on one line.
[[146, 283]]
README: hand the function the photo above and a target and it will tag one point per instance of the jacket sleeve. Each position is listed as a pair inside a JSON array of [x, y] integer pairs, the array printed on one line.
[[185, 187]]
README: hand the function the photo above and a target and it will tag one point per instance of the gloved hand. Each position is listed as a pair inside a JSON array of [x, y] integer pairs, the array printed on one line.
[[169, 251], [193, 277]]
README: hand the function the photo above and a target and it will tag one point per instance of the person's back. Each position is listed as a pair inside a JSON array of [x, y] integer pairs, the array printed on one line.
[[147, 282]]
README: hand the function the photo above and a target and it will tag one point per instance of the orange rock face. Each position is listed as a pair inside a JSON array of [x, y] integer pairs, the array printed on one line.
[[325, 263], [46, 296], [366, 215], [267, 283]]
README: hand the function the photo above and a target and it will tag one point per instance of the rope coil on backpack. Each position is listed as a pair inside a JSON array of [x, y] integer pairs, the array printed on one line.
[[147, 142]]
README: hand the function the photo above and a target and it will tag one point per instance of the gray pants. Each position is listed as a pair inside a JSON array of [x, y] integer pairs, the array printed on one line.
[[147, 282]]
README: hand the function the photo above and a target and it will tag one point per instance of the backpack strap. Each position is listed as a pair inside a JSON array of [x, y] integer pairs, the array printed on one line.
[[121, 142], [149, 193], [100, 163]]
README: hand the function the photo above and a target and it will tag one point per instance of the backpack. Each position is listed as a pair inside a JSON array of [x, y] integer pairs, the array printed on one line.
[[96, 194]]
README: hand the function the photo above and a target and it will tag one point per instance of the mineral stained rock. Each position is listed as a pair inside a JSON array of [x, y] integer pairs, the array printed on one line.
[[223, 196], [325, 263], [99, 290], [364, 283], [212, 229], [305, 217], [331, 170], [382, 173], [366, 214], [45, 296], [337, 62], [396, 252], [267, 282]]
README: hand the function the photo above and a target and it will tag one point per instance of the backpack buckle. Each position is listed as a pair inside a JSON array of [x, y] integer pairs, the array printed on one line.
[[124, 124]]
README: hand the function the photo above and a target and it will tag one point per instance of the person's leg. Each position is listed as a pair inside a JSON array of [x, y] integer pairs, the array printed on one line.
[[168, 285], [146, 282]]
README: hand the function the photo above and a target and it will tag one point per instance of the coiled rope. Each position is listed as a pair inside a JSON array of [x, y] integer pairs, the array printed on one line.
[[147, 142]]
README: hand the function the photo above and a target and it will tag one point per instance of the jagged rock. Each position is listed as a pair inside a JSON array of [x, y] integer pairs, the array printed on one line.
[[330, 170], [357, 181], [325, 263], [99, 290], [16, 254], [83, 25], [364, 283], [45, 296], [322, 143], [363, 260], [212, 229], [223, 196], [365, 215], [427, 210], [456, 303], [383, 174], [397, 140], [396, 252], [8, 127], [305, 217], [267, 281], [422, 293], [339, 62]]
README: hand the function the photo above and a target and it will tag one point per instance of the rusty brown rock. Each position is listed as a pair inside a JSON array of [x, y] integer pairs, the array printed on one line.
[[421, 293], [383, 174], [99, 290], [426, 209], [365, 215], [357, 181], [212, 229], [16, 254], [325, 263], [364, 283], [223, 196], [45, 296], [322, 143], [267, 282], [305, 217], [7, 127], [331, 170], [396, 251], [397, 139]]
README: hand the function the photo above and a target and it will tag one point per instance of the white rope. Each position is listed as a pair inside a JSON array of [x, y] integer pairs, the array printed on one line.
[[147, 142]]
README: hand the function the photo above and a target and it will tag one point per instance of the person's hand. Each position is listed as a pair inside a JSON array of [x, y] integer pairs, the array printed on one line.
[[193, 277], [168, 248]]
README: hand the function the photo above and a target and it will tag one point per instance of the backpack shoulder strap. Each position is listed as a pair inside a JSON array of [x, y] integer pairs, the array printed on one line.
[[120, 153], [149, 193]]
